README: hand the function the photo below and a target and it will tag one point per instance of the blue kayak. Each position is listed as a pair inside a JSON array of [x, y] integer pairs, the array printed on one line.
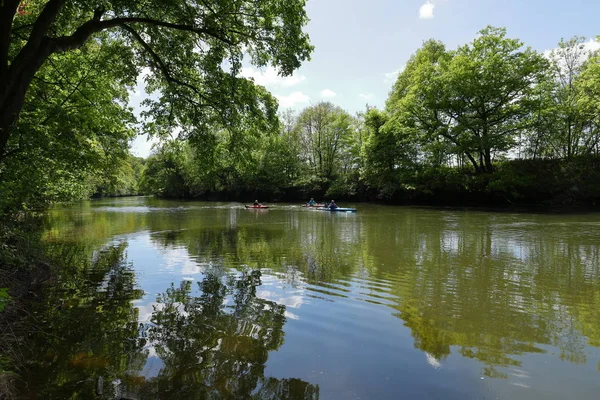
[[341, 209]]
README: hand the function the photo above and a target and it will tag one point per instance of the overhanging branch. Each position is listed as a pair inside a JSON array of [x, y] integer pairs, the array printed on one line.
[[159, 63], [82, 33]]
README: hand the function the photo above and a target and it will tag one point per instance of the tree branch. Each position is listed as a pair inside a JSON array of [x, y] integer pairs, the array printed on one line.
[[38, 33], [159, 63], [87, 29], [8, 9]]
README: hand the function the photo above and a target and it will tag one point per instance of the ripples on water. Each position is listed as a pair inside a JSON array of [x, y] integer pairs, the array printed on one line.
[[290, 303]]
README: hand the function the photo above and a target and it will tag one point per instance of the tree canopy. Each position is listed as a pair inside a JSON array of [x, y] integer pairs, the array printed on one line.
[[193, 52]]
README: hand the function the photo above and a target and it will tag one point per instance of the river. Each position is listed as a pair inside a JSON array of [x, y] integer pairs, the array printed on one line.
[[194, 300]]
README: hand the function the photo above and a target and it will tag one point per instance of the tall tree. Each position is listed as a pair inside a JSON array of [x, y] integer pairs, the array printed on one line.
[[569, 124], [184, 45], [74, 128], [478, 98], [324, 130]]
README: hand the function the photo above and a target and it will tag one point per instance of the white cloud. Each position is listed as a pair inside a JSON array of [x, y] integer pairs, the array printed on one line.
[[390, 77], [328, 93], [366, 96], [582, 53], [426, 10], [587, 47], [270, 77], [292, 99]]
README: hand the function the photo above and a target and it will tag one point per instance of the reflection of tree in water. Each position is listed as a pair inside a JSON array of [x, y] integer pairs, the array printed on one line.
[[466, 288], [216, 345], [84, 330]]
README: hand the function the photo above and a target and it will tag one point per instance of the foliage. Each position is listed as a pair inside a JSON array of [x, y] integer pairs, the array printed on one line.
[[196, 90], [324, 131], [475, 99], [4, 298], [73, 129], [568, 124], [65, 71]]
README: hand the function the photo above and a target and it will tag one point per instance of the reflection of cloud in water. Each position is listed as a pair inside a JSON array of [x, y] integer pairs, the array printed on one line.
[[153, 364], [291, 315], [178, 261], [434, 362], [293, 301], [145, 311], [277, 290]]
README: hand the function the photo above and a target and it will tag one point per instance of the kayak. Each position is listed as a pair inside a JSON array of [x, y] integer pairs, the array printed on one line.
[[315, 205], [341, 209], [259, 207]]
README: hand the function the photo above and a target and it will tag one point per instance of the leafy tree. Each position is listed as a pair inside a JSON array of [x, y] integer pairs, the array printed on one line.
[[164, 172], [120, 178], [324, 131], [389, 154], [73, 128], [477, 98], [184, 46], [568, 122]]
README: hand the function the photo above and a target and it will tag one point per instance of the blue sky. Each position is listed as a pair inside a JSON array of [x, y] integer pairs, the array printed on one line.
[[360, 44]]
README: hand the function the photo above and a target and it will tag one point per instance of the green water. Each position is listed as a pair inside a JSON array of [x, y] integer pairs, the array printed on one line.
[[189, 300]]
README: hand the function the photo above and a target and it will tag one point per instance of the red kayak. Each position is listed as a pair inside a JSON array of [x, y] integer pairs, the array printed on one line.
[[260, 206]]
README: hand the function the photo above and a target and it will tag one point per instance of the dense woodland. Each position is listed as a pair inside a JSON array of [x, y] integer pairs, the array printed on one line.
[[490, 123]]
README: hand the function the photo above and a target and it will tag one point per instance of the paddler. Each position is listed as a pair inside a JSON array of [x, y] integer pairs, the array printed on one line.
[[332, 205], [256, 203], [311, 202]]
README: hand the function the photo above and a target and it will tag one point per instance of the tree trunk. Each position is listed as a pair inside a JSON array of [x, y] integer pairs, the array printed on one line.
[[474, 162], [488, 161], [14, 86]]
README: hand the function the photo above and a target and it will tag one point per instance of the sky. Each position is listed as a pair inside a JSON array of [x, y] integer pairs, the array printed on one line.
[[361, 45]]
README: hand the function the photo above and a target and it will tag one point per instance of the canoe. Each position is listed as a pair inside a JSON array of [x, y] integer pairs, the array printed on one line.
[[340, 209], [257, 207]]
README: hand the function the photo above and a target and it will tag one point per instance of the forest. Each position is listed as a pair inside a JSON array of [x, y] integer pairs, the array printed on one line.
[[492, 123]]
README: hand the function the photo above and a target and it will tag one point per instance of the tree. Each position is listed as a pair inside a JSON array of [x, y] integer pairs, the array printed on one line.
[[567, 124], [324, 130], [183, 45], [74, 128], [477, 98], [388, 152]]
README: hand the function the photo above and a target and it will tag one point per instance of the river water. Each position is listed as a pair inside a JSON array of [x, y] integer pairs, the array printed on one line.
[[194, 300]]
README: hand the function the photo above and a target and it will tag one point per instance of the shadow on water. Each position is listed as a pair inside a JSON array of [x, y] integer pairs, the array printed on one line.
[[211, 341]]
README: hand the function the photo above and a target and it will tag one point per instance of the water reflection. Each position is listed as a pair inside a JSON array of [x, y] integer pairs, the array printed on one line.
[[210, 343], [215, 345], [84, 330], [497, 289]]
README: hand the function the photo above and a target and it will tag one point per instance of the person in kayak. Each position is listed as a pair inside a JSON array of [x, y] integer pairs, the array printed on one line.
[[256, 203], [311, 202], [332, 205]]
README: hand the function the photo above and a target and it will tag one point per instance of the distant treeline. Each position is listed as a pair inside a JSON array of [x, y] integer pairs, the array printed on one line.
[[489, 123]]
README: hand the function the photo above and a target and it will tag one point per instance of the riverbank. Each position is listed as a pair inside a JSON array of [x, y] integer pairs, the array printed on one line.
[[528, 185], [24, 270]]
